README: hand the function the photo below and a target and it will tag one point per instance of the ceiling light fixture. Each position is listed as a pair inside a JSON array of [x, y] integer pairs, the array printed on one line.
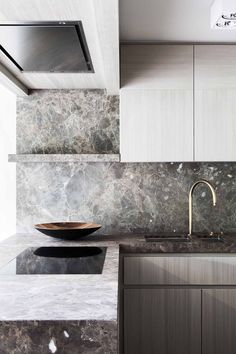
[[223, 14]]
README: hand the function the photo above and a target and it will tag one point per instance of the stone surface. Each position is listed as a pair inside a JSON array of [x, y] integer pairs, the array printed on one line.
[[126, 197], [68, 122], [80, 297], [56, 296], [66, 314], [73, 314], [139, 245], [141, 197], [70, 337], [63, 158]]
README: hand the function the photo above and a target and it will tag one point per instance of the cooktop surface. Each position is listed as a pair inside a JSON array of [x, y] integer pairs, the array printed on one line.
[[57, 260]]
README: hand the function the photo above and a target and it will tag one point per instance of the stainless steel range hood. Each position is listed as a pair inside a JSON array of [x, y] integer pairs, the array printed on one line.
[[49, 47]]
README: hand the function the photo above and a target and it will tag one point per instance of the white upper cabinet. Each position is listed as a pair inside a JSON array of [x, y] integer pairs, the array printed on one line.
[[157, 66], [177, 103], [215, 97], [156, 103], [156, 125]]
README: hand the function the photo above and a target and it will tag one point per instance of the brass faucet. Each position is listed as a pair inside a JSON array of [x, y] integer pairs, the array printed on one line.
[[190, 201]]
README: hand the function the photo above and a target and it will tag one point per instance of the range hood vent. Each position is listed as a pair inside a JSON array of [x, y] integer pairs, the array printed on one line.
[[46, 47]]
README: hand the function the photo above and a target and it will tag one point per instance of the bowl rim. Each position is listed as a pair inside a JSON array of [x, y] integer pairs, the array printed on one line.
[[88, 225]]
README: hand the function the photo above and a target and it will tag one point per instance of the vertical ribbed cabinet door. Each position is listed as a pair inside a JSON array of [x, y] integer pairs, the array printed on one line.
[[156, 125], [156, 103], [214, 97], [219, 321], [162, 321]]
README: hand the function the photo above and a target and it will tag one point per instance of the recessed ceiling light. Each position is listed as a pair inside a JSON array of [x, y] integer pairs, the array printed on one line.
[[223, 14]]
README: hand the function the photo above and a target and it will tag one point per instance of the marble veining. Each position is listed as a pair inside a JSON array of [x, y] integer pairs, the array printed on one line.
[[62, 337], [127, 197], [60, 297], [124, 198], [68, 122]]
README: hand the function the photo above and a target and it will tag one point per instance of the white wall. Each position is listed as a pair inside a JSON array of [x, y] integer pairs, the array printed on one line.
[[170, 20], [7, 170]]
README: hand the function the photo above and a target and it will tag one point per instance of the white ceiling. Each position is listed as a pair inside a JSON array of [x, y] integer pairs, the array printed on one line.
[[170, 20]]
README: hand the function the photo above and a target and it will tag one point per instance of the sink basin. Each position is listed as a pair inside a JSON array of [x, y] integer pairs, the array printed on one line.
[[167, 237], [183, 238], [214, 238]]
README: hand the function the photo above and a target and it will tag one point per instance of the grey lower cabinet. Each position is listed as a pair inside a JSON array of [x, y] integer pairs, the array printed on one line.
[[162, 321], [179, 304], [219, 321]]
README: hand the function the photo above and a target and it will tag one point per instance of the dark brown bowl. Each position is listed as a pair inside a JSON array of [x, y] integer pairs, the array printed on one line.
[[67, 230]]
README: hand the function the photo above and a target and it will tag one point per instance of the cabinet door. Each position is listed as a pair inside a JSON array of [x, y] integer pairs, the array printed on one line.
[[163, 321], [219, 321], [156, 125], [215, 96], [156, 103], [163, 66]]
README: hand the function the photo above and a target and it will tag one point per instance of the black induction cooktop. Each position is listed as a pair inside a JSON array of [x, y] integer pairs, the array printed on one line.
[[57, 260]]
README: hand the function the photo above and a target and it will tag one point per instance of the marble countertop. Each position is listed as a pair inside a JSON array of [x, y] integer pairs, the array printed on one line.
[[58, 297], [79, 297]]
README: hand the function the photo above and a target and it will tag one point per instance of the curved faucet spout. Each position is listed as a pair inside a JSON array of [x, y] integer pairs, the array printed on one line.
[[190, 200]]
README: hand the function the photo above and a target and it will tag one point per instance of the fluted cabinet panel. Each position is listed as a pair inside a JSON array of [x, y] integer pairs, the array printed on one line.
[[218, 321], [156, 125], [215, 96], [215, 66], [180, 270], [163, 321], [163, 66], [215, 125], [156, 103]]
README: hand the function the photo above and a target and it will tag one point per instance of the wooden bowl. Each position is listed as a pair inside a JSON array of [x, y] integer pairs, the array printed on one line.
[[67, 230]]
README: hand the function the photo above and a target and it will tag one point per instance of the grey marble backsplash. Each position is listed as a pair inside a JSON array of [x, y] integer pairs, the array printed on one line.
[[68, 122], [130, 197]]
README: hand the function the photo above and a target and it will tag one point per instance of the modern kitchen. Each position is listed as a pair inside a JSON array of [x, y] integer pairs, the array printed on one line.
[[118, 177]]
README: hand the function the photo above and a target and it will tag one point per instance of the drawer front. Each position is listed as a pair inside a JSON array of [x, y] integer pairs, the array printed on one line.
[[180, 270]]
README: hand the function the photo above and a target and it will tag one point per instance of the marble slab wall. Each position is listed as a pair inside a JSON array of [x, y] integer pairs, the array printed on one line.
[[68, 122], [128, 197], [134, 197]]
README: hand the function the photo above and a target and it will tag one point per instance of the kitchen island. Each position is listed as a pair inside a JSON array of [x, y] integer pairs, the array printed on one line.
[[73, 313], [57, 313]]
